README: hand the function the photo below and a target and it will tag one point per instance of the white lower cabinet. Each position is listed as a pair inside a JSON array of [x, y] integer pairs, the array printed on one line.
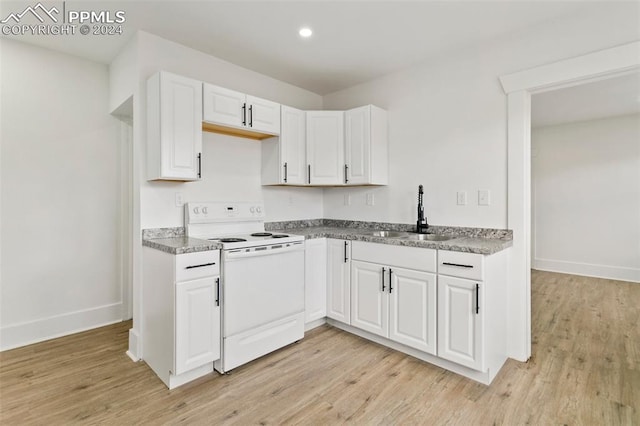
[[180, 314], [394, 301], [472, 310], [412, 309], [339, 280], [460, 321], [315, 280], [197, 323], [369, 300]]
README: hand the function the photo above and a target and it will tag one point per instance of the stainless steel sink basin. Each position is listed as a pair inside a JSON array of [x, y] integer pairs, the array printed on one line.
[[388, 234], [431, 237]]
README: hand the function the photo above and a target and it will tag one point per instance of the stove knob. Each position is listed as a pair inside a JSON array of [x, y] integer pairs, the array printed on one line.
[[252, 209], [204, 210], [196, 210], [258, 209]]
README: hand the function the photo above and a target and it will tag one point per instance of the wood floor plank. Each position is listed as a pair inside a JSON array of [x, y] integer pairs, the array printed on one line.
[[584, 370]]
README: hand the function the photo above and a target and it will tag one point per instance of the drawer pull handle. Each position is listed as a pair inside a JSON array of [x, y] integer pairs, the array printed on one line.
[[217, 291], [200, 266], [459, 265]]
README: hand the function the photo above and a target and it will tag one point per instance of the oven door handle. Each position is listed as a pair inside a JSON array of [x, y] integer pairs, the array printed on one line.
[[241, 254]]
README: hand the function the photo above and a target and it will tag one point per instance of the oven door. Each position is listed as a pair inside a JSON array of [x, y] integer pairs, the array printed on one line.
[[262, 285]]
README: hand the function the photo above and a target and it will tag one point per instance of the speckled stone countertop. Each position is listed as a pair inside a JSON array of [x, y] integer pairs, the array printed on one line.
[[174, 241], [469, 240]]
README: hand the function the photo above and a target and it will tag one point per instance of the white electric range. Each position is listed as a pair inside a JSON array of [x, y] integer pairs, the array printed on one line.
[[262, 279]]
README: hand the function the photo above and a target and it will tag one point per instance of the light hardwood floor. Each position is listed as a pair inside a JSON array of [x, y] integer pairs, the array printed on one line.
[[585, 369]]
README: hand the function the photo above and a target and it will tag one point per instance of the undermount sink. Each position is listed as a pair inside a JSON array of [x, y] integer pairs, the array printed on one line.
[[389, 234], [431, 237]]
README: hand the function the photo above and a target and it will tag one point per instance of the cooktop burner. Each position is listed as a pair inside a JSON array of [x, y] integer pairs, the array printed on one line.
[[232, 240], [261, 234], [279, 236]]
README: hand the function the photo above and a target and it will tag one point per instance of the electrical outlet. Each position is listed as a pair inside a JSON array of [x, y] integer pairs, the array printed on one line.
[[179, 199], [461, 197], [484, 197], [371, 201], [347, 199]]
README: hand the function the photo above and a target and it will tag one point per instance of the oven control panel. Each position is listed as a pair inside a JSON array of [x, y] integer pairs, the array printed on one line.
[[212, 212]]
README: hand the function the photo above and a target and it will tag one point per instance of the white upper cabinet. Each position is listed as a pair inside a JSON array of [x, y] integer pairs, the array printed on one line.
[[366, 146], [263, 115], [223, 106], [325, 147], [174, 127], [284, 159], [232, 109]]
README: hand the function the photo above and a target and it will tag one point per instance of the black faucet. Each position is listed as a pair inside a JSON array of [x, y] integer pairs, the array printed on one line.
[[422, 226]]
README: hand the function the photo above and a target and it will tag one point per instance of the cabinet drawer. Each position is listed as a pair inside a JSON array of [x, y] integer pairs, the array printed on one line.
[[459, 264], [190, 266], [421, 259]]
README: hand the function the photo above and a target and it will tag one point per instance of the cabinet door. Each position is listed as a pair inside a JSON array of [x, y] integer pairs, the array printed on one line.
[[358, 145], [460, 317], [315, 279], [339, 280], [197, 323], [263, 115], [412, 309], [369, 301], [325, 147], [174, 127], [224, 106], [292, 146]]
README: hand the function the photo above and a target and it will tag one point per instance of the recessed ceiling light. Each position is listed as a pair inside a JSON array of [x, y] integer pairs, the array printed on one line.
[[305, 32]]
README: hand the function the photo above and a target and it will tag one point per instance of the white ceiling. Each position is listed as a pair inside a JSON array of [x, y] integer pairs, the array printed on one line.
[[353, 41], [604, 98]]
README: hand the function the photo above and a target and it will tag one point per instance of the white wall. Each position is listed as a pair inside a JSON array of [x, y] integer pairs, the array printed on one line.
[[448, 121], [60, 196], [586, 197], [231, 165]]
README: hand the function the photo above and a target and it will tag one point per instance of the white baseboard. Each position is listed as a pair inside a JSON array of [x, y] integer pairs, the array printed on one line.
[[315, 323], [134, 351], [26, 333], [588, 270]]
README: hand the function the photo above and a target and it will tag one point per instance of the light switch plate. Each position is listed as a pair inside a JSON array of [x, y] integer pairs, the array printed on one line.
[[461, 198], [484, 197], [347, 199]]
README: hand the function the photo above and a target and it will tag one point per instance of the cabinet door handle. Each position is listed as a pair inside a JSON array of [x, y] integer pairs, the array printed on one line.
[[309, 172], [250, 115], [345, 252], [383, 286], [217, 291], [199, 165], [477, 298], [390, 286], [459, 265], [244, 114], [346, 174], [200, 266], [285, 172]]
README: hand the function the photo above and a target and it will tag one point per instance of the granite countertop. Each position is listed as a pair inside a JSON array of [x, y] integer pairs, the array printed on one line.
[[464, 243], [469, 240], [174, 241]]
